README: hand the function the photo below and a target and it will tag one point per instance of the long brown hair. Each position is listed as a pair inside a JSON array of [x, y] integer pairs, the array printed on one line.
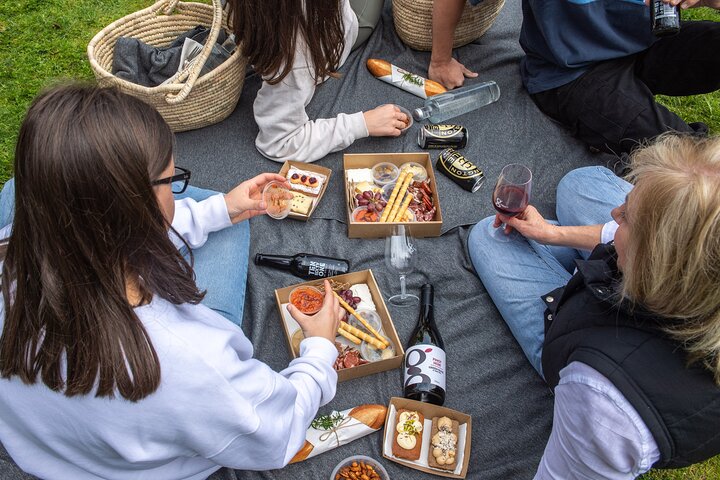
[[272, 30], [673, 246], [86, 222]]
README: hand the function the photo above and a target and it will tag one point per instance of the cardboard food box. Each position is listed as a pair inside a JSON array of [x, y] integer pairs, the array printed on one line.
[[290, 327], [308, 167], [379, 230], [429, 411]]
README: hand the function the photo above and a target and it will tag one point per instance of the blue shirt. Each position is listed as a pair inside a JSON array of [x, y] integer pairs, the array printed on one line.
[[562, 39]]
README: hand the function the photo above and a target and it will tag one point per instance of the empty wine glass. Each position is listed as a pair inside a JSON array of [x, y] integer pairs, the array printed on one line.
[[400, 258], [511, 195]]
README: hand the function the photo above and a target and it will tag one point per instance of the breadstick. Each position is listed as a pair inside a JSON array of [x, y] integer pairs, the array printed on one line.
[[349, 335], [401, 195], [403, 208], [359, 333], [359, 317], [393, 195]]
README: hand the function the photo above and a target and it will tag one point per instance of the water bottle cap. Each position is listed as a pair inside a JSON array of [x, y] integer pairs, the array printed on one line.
[[419, 114]]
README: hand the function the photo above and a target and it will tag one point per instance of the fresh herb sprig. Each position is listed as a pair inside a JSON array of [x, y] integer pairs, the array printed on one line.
[[326, 422], [414, 79]]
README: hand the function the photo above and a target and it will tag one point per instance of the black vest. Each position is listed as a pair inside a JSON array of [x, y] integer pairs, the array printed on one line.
[[585, 322]]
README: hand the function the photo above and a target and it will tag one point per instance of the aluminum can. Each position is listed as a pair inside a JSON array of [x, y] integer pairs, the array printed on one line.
[[442, 136], [460, 170]]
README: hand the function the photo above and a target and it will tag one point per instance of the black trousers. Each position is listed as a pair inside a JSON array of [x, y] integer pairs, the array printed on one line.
[[612, 106]]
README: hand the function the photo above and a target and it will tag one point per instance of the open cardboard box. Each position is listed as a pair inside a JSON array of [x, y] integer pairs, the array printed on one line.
[[379, 230], [365, 276], [309, 167], [429, 411]]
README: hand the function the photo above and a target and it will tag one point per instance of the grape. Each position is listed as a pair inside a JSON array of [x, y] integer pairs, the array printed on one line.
[[371, 207], [356, 300], [364, 201], [359, 196], [377, 195], [383, 203], [368, 195]]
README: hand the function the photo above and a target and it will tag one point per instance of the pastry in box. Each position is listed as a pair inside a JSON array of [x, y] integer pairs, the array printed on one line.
[[304, 181], [407, 438]]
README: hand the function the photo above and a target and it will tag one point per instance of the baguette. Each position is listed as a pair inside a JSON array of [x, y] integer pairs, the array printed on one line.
[[371, 415], [383, 70], [400, 451]]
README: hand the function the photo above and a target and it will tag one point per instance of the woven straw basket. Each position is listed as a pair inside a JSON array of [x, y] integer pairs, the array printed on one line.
[[413, 22], [188, 102]]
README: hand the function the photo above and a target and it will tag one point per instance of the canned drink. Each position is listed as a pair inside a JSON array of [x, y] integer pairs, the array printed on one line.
[[442, 136], [460, 170]]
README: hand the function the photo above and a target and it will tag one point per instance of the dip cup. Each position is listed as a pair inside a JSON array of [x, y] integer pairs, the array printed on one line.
[[301, 292]]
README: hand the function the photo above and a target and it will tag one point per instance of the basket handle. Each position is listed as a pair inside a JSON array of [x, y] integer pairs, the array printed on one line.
[[194, 72]]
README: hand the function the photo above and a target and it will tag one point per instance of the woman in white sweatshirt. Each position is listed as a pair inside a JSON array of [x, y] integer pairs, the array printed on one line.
[[295, 46], [111, 363]]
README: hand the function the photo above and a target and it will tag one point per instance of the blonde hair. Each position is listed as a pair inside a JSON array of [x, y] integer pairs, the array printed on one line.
[[672, 264]]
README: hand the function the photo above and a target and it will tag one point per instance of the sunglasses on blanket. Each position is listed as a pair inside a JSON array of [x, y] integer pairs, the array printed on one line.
[[181, 175]]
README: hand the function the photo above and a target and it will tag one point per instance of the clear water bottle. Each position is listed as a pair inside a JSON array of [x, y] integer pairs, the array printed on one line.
[[439, 108]]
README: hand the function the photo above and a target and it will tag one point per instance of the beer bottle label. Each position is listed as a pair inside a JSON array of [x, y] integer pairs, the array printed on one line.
[[320, 269], [425, 364]]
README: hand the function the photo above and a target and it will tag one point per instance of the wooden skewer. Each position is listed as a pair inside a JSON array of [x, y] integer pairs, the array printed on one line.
[[393, 195], [403, 208], [349, 335], [359, 333], [401, 195], [359, 317]]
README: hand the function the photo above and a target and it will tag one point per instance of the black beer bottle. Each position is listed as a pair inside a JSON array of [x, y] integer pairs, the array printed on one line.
[[305, 265], [664, 18], [425, 356]]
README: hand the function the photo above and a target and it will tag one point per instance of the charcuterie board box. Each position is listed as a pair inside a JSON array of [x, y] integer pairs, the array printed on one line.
[[362, 229], [309, 197], [371, 300], [429, 411]]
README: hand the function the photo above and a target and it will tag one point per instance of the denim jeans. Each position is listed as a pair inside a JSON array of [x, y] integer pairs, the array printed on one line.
[[220, 265], [516, 274]]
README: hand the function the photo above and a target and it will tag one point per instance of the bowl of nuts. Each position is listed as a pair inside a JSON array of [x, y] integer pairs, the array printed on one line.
[[359, 467]]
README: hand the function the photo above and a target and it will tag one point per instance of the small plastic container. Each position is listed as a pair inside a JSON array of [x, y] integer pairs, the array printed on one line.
[[377, 466], [409, 116], [361, 209], [372, 354], [307, 299], [384, 173], [371, 316], [387, 191], [278, 199], [419, 172]]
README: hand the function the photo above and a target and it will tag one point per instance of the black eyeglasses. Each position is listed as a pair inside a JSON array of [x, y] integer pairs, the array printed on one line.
[[181, 175]]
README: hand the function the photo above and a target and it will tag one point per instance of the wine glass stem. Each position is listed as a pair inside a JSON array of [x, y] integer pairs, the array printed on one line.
[[402, 286]]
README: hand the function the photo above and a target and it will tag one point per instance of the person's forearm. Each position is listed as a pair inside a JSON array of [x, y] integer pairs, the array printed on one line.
[[445, 17], [581, 237]]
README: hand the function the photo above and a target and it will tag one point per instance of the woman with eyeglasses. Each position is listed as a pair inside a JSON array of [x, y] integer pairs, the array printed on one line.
[[114, 361], [617, 306]]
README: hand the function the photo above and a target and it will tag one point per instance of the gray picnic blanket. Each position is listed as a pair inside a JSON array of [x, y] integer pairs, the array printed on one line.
[[488, 375]]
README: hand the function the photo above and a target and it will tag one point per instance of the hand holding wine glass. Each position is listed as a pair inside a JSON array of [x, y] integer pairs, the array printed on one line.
[[401, 258], [511, 195]]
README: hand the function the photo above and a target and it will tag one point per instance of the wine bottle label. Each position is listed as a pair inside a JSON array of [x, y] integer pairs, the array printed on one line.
[[425, 364], [321, 269]]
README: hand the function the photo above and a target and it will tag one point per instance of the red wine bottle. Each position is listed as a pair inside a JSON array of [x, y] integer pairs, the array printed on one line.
[[305, 265], [664, 18], [425, 356]]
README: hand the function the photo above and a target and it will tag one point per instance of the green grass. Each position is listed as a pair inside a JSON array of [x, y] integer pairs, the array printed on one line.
[[44, 40]]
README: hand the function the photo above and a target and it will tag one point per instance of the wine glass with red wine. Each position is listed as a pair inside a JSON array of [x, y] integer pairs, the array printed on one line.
[[511, 195], [401, 256]]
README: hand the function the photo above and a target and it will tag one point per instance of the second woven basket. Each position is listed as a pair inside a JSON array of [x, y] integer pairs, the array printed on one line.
[[413, 22]]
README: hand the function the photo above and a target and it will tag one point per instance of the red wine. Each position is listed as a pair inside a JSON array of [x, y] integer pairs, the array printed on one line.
[[305, 265], [425, 356], [510, 200]]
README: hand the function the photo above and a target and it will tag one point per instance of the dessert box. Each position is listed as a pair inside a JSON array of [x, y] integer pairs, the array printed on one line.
[[307, 192], [291, 328], [429, 411], [356, 229]]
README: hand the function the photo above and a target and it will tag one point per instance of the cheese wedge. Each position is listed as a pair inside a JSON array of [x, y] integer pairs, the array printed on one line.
[[301, 204]]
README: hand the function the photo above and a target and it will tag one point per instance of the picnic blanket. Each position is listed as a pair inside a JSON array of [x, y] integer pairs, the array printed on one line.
[[488, 375]]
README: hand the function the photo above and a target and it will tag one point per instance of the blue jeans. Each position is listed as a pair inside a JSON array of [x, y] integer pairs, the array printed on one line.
[[220, 265], [516, 274]]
